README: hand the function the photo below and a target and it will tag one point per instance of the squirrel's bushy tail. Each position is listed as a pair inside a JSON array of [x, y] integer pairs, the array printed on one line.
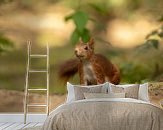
[[68, 69]]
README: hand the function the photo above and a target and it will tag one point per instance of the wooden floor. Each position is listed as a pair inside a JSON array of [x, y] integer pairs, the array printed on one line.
[[15, 121], [17, 126]]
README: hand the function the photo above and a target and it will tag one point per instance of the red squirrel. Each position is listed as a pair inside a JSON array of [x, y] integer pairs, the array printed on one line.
[[92, 68]]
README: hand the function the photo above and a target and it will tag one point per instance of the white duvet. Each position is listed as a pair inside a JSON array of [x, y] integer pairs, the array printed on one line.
[[105, 114]]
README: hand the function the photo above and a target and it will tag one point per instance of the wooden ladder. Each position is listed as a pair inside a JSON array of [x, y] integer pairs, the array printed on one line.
[[27, 89]]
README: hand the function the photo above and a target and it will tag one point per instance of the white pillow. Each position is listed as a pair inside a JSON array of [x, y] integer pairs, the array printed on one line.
[[103, 95], [71, 92], [143, 90], [131, 91]]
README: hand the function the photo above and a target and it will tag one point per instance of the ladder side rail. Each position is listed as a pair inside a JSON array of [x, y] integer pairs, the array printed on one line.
[[47, 110], [27, 82]]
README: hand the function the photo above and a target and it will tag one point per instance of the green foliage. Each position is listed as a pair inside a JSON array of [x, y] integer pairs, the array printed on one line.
[[28, 4], [150, 43], [133, 5], [157, 32], [160, 19], [75, 37], [134, 73], [80, 20], [99, 7], [152, 39], [5, 44], [5, 1], [154, 42]]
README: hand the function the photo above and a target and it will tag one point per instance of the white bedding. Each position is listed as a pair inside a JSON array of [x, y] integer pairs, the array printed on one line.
[[128, 100], [105, 114]]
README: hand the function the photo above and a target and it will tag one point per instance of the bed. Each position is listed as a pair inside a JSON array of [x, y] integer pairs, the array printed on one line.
[[105, 114]]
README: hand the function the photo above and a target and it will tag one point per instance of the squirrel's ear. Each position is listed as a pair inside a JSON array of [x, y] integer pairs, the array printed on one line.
[[91, 43]]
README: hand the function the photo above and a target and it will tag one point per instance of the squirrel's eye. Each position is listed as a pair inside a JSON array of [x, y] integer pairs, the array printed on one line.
[[86, 48]]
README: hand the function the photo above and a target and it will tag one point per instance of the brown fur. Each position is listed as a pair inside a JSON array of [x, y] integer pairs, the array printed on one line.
[[92, 68], [68, 69]]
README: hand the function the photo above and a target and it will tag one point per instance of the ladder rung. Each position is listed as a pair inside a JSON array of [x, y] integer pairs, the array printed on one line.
[[37, 105], [38, 71], [37, 89], [37, 56]]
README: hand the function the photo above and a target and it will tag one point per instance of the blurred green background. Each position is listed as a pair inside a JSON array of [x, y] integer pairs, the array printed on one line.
[[127, 32]]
